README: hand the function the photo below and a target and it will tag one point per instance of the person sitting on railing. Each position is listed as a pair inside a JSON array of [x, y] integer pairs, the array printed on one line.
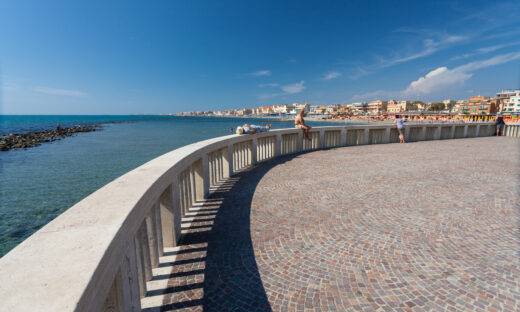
[[252, 129], [400, 127], [299, 123]]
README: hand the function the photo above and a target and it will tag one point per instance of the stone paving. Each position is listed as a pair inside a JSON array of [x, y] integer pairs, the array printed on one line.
[[427, 226]]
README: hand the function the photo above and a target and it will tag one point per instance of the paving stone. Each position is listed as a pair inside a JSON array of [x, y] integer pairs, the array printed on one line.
[[397, 227]]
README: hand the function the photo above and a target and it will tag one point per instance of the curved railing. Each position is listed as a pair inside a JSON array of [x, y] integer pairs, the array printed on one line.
[[99, 254]]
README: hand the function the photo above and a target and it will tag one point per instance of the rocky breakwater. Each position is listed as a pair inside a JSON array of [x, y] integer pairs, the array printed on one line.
[[30, 139]]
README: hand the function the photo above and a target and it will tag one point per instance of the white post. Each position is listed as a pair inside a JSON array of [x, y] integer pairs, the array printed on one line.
[[465, 131], [438, 133], [343, 137], [386, 137], [152, 238], [129, 280], [278, 145], [177, 211], [168, 216], [229, 159], [366, 136], [322, 139], [205, 175], [254, 151], [423, 134]]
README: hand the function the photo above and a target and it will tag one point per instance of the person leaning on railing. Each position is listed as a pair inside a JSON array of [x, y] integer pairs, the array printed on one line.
[[499, 124], [399, 122]]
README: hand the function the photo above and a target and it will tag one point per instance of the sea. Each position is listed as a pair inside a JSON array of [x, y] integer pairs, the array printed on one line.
[[39, 183]]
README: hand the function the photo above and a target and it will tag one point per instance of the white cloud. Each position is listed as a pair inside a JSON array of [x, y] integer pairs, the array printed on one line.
[[268, 85], [485, 50], [288, 89], [442, 78], [331, 75], [294, 88], [59, 92], [261, 73], [431, 44], [437, 79], [429, 47]]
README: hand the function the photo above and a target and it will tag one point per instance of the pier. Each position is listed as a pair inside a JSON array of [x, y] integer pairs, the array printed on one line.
[[346, 221]]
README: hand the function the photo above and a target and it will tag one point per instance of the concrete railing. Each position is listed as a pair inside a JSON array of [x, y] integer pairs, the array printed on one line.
[[512, 130], [99, 254]]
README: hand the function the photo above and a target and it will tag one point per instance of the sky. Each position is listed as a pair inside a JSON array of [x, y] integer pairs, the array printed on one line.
[[151, 57]]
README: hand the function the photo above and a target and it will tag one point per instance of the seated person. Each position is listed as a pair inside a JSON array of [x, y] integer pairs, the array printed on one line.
[[252, 129], [299, 122]]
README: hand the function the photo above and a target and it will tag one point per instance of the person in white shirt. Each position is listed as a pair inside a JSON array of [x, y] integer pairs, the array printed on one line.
[[399, 122]]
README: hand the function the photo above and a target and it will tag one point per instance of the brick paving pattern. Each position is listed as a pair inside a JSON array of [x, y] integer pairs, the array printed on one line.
[[427, 226]]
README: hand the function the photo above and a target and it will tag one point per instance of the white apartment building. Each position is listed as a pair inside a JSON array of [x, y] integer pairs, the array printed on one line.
[[376, 107], [282, 109], [503, 99], [513, 104]]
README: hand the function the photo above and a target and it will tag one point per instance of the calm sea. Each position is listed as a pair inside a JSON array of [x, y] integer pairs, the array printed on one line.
[[39, 183]]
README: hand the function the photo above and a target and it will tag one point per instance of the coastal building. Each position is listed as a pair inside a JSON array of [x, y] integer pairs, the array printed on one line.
[[320, 110], [513, 104], [392, 106], [263, 110], [376, 107], [297, 107], [243, 112], [503, 99], [449, 104], [481, 105], [332, 109], [358, 108], [461, 107], [283, 108]]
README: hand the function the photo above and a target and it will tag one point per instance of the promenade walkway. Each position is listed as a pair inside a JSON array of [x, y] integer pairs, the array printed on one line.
[[423, 226]]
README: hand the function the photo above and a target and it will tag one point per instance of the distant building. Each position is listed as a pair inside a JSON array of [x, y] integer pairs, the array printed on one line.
[[449, 104], [377, 107], [513, 104], [505, 104], [297, 107], [393, 106], [503, 99], [283, 108], [481, 105], [263, 110], [358, 108], [461, 107], [243, 112]]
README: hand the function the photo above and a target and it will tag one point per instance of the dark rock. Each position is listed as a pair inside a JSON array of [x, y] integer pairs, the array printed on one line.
[[30, 139]]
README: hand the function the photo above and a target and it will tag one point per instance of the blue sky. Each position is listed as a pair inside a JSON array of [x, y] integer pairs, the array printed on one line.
[[103, 57]]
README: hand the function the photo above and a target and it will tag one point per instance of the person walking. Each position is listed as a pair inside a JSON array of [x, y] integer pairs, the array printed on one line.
[[399, 122]]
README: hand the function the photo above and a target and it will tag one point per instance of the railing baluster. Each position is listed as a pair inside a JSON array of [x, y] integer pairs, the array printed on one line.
[[151, 232], [129, 280]]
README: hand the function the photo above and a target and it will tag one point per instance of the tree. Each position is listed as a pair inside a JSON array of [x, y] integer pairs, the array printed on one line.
[[436, 107]]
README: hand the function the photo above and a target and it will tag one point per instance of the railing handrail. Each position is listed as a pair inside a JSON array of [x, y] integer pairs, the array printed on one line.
[[70, 263]]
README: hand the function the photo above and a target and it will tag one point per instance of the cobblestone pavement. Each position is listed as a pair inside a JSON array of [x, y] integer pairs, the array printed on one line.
[[412, 227]]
